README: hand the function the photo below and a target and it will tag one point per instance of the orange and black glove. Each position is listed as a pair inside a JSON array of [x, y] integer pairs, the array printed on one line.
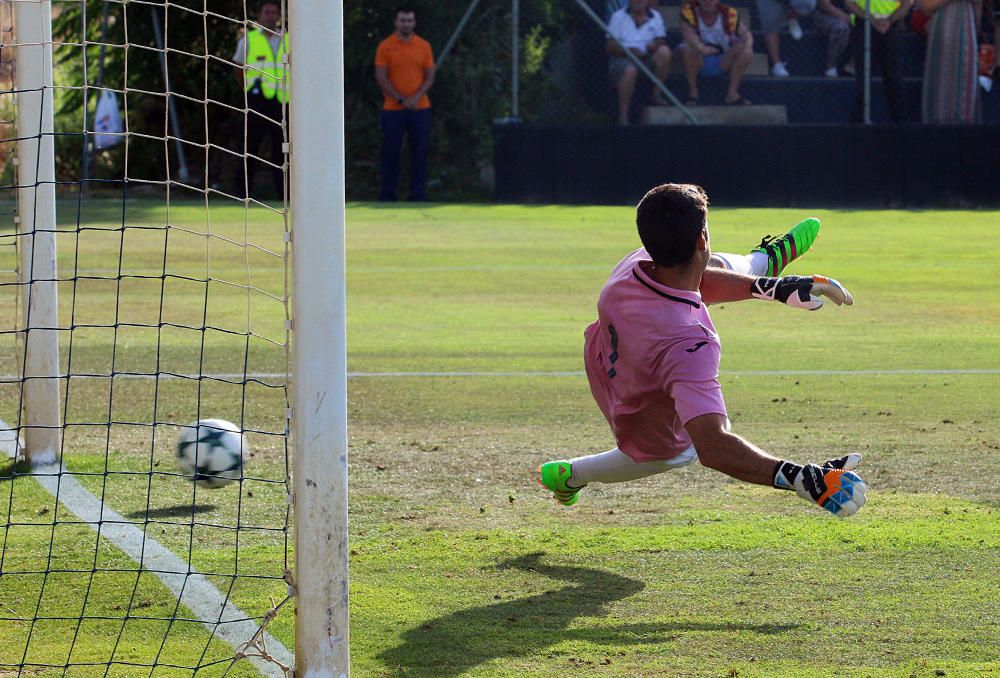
[[834, 485]]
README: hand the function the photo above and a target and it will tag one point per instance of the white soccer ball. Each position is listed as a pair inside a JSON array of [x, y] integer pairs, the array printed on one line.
[[210, 452]]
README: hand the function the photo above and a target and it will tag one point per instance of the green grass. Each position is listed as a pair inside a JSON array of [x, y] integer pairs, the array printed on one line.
[[461, 566]]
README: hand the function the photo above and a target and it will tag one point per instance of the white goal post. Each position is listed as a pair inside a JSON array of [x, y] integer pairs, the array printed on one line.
[[36, 221], [319, 321], [315, 338]]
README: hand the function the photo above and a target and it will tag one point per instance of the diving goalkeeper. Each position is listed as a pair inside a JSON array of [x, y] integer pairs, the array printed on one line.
[[652, 357]]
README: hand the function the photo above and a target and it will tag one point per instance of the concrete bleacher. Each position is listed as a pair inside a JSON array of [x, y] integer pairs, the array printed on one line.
[[807, 97], [715, 115]]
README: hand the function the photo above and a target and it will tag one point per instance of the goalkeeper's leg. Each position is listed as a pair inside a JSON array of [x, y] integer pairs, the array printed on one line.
[[614, 466], [565, 478], [773, 254]]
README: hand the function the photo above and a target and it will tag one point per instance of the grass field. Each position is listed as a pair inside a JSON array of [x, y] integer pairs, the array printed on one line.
[[465, 332]]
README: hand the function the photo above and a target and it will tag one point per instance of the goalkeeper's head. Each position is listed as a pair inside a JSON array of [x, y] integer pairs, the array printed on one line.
[[673, 225]]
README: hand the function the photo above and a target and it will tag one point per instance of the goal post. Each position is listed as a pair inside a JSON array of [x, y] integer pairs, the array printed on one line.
[[36, 225], [316, 112]]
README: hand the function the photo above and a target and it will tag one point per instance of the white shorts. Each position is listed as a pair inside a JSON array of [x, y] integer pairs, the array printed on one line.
[[683, 459]]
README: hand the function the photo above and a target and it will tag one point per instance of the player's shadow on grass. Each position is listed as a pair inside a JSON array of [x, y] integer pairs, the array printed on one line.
[[179, 511], [457, 642]]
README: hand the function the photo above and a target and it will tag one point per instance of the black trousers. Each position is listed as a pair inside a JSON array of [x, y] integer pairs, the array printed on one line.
[[416, 126], [886, 49], [263, 127]]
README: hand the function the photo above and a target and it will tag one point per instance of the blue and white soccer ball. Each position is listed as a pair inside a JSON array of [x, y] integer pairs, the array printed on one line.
[[210, 452]]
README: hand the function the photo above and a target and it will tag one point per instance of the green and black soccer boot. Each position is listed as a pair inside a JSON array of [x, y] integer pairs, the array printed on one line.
[[553, 476], [789, 247]]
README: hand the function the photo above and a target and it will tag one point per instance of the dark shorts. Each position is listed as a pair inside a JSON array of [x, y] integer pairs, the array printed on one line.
[[618, 64]]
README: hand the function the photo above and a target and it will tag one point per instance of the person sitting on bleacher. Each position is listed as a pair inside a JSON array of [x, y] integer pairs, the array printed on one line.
[[715, 42], [833, 21], [639, 31], [774, 14]]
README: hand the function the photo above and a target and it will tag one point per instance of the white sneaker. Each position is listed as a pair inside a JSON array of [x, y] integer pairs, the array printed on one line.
[[778, 70], [830, 73], [794, 29]]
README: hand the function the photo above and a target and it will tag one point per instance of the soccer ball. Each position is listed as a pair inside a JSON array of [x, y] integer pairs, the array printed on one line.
[[210, 452]]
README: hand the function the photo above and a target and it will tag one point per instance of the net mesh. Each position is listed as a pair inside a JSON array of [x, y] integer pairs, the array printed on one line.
[[172, 235]]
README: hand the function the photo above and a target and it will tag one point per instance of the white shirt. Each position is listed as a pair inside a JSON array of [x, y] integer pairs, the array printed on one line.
[[713, 35], [623, 28]]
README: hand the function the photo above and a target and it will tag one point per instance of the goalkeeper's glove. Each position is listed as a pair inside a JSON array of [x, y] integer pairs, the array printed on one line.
[[834, 485], [801, 291]]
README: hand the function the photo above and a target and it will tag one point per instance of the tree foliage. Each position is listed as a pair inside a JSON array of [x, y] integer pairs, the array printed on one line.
[[198, 47], [472, 88]]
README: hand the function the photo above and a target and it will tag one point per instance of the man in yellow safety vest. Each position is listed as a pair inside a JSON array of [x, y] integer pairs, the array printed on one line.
[[886, 17], [261, 55]]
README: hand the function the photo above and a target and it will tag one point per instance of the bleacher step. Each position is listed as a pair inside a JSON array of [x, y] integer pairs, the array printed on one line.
[[715, 115]]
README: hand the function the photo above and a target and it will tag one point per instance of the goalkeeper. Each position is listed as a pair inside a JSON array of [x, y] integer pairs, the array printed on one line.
[[652, 357]]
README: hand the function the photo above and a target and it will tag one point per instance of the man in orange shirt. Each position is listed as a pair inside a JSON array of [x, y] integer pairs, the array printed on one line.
[[404, 69]]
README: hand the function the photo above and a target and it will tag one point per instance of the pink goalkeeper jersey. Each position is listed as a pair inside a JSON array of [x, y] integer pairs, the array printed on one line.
[[652, 358]]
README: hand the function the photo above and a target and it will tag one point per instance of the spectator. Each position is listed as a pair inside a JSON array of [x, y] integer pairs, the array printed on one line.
[[715, 42], [260, 53], [886, 18], [404, 69], [987, 66], [951, 68], [833, 21], [640, 30], [773, 15]]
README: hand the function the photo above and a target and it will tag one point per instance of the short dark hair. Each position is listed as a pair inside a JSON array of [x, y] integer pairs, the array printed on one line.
[[276, 3], [404, 9], [670, 219]]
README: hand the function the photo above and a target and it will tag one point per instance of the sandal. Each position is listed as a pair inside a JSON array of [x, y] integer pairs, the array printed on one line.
[[742, 101]]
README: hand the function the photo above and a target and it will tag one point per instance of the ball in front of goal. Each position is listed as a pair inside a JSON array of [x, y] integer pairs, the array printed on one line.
[[210, 452]]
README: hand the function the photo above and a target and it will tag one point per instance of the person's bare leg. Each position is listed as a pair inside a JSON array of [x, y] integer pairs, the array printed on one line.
[[692, 64], [739, 57], [626, 87], [661, 69], [773, 51]]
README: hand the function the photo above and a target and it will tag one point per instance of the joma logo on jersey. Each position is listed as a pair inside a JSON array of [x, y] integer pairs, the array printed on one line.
[[696, 347]]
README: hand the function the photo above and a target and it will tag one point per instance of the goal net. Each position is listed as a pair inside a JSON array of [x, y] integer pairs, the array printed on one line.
[[145, 284]]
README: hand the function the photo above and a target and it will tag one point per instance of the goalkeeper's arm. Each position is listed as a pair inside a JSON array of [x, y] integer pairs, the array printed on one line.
[[719, 285], [832, 485]]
